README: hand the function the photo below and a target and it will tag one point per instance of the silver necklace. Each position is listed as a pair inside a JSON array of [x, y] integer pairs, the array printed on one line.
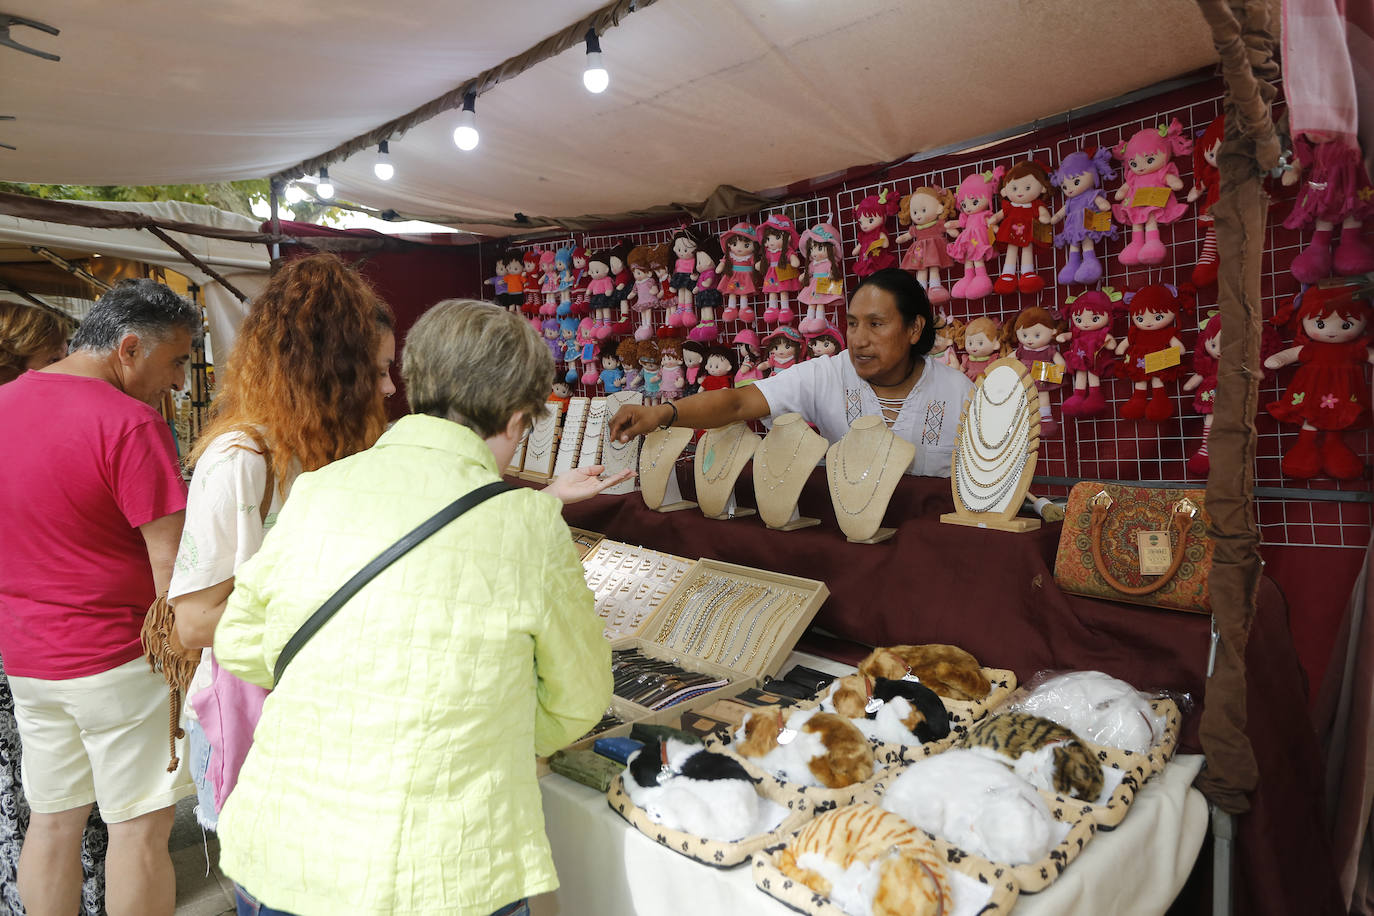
[[995, 451], [758, 615], [761, 462], [985, 502], [724, 466], [976, 409], [834, 482]]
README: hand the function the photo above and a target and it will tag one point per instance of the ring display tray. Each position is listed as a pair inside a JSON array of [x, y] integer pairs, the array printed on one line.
[[585, 541], [630, 583]]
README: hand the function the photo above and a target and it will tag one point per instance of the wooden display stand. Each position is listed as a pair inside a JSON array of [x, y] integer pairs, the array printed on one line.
[[721, 457], [658, 470], [1005, 380], [517, 460], [860, 500], [782, 464], [570, 445], [539, 447], [597, 418]]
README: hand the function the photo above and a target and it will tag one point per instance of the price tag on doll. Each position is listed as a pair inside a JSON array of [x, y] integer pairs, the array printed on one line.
[[828, 286], [1042, 371], [787, 272], [1150, 197], [1156, 554], [1160, 360], [1097, 220], [787, 736]]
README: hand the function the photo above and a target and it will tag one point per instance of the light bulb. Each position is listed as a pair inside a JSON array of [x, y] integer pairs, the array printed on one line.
[[595, 77], [383, 168], [325, 188], [465, 134], [294, 195]]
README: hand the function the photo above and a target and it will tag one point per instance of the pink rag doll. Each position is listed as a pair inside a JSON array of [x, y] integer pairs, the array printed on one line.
[[785, 348], [1034, 332], [548, 285], [627, 353], [586, 339], [924, 212], [1086, 214], [1329, 394], [673, 383], [972, 233], [750, 360], [826, 342], [1336, 190], [1154, 312], [825, 276], [874, 251], [1203, 384], [644, 296], [706, 296], [1207, 185], [1022, 226], [533, 299], [1146, 199], [600, 288], [780, 267], [1091, 350], [684, 245], [982, 343], [943, 350], [736, 271]]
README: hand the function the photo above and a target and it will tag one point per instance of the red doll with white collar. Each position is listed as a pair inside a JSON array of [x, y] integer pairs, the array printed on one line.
[[1154, 312], [1145, 200], [1023, 225]]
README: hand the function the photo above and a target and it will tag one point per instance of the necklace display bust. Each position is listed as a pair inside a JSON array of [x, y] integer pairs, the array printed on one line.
[[863, 469], [658, 469], [782, 465], [721, 456]]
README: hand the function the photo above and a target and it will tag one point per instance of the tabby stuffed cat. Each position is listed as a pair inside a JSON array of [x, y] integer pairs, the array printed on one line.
[[948, 670], [912, 878], [1044, 753], [820, 747]]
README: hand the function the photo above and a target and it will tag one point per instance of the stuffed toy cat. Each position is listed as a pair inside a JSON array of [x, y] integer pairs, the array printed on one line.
[[948, 670], [809, 747], [830, 853], [684, 787], [1098, 707], [909, 704], [1044, 753]]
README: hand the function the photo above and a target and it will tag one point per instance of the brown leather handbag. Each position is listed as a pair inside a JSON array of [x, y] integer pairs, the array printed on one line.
[[1100, 549]]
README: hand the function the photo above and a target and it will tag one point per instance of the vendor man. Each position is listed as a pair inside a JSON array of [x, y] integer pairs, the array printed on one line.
[[885, 372]]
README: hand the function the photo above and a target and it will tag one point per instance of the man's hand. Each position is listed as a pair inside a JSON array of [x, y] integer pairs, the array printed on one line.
[[583, 483], [632, 420]]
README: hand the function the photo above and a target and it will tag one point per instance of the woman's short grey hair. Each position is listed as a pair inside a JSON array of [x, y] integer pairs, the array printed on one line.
[[477, 364], [145, 308]]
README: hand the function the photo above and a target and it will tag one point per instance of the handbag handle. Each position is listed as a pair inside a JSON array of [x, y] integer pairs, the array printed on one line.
[[1184, 511]]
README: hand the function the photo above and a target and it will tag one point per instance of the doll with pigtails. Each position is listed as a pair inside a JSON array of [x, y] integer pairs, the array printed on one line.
[[944, 350], [1207, 186], [983, 342], [1145, 200], [1086, 213], [563, 259], [548, 283], [1148, 362], [874, 250], [736, 271], [587, 359], [1022, 226], [781, 267], [1090, 349], [533, 297], [972, 234], [825, 276], [568, 345], [924, 212]]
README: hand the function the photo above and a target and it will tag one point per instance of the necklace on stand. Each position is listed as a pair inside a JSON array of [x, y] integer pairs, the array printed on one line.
[[1017, 435], [662, 447], [976, 412], [761, 462], [724, 467], [877, 481]]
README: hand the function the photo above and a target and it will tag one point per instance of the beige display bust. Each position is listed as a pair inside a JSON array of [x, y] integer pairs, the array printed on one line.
[[782, 464], [863, 469], [658, 470], [721, 456]]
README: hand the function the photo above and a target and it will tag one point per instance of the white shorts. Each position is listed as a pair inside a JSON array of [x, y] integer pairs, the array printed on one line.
[[100, 738]]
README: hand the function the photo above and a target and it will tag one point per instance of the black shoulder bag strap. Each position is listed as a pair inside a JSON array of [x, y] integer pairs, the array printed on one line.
[[381, 562]]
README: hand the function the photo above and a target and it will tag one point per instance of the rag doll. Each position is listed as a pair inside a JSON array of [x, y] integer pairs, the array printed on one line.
[[497, 281], [548, 283], [785, 347], [560, 395], [600, 288], [1329, 394], [612, 376], [982, 343], [1203, 384], [972, 233], [943, 350], [1086, 214], [1153, 312], [513, 268], [1090, 354], [824, 273], [1098, 708], [683, 282], [661, 258], [581, 281], [736, 271], [924, 212], [808, 747], [706, 295], [750, 368], [533, 298], [876, 705], [873, 251], [586, 341], [1207, 185], [1044, 753], [552, 332], [1035, 331], [719, 369], [1145, 201], [567, 279], [827, 342], [673, 382], [623, 281], [836, 854], [1336, 189], [780, 267], [567, 343], [627, 354], [948, 670], [644, 296], [685, 787], [649, 366], [693, 356], [1022, 226]]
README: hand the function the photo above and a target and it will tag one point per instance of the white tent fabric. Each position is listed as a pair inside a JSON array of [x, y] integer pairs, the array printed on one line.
[[751, 93]]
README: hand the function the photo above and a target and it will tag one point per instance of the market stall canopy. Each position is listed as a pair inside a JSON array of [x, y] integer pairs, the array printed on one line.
[[753, 94]]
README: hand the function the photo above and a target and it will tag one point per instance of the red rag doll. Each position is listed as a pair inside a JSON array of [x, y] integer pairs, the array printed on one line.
[[1153, 309], [1336, 190], [1203, 384], [1090, 350], [1207, 185], [1329, 393], [874, 250], [533, 298], [1023, 225]]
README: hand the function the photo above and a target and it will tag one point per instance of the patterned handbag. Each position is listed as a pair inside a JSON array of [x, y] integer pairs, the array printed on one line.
[[1100, 547]]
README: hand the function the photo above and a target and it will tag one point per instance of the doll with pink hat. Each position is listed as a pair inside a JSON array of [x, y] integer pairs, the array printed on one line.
[[785, 348], [736, 270], [828, 341], [780, 266], [1336, 190], [873, 250], [1086, 214], [750, 368], [825, 275], [1091, 351], [972, 235], [924, 212], [1145, 200]]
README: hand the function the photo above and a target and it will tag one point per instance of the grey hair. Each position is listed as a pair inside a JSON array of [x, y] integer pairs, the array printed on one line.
[[145, 308]]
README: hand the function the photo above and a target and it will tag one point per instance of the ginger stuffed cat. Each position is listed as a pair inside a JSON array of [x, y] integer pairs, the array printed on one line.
[[912, 878], [948, 670], [1040, 751], [827, 749]]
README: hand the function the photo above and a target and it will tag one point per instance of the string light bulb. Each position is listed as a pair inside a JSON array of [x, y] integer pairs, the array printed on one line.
[[595, 77], [325, 188], [383, 168], [465, 134], [294, 194]]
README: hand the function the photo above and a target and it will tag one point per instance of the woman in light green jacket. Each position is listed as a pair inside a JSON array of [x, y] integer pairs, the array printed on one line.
[[393, 769]]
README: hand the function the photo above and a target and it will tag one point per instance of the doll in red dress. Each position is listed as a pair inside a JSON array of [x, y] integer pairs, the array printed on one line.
[[874, 250], [1203, 384], [1154, 309], [1035, 331], [1091, 349], [1335, 189], [1207, 185], [1329, 393], [1022, 226], [533, 297], [719, 369]]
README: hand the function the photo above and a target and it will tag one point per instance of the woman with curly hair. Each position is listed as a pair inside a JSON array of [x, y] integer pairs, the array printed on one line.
[[304, 386], [30, 338]]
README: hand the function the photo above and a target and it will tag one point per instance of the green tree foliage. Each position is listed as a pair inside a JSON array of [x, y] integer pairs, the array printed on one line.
[[234, 196]]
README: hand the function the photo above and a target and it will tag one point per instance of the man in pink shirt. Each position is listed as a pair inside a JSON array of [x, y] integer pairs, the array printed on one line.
[[93, 499]]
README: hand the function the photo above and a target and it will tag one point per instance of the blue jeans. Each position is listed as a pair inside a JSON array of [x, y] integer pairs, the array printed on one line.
[[200, 752], [247, 906]]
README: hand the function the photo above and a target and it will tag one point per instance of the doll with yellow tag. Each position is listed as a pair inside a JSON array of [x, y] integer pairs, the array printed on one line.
[[1033, 332], [1145, 201], [780, 266], [1022, 225], [736, 271], [1086, 214], [873, 251], [983, 342], [924, 213], [825, 276], [1152, 351]]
